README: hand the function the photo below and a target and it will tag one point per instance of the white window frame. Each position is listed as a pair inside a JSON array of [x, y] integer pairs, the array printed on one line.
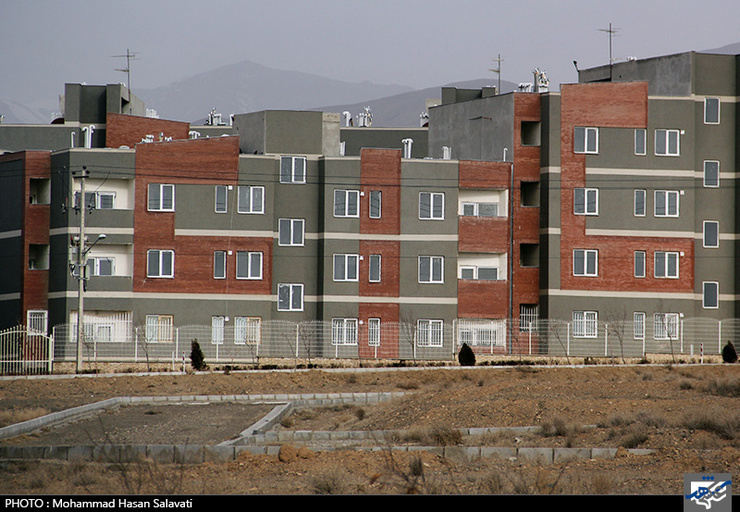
[[640, 210], [375, 208], [710, 289], [428, 277], [709, 180], [294, 296], [707, 233], [293, 229], [429, 333], [218, 329], [590, 258], [585, 324], [663, 142], [157, 203], [219, 256], [342, 206], [37, 321], [638, 325], [640, 264], [291, 171], [590, 140], [529, 317], [250, 191], [707, 102], [472, 272], [96, 260], [247, 330], [346, 267], [585, 201], [344, 331], [160, 329], [373, 332], [666, 326], [160, 267], [375, 268], [472, 209], [253, 269], [666, 196], [662, 264], [640, 140], [431, 198], [221, 204]]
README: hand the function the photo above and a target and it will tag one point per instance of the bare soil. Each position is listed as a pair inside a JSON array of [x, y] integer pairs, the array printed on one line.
[[688, 414]]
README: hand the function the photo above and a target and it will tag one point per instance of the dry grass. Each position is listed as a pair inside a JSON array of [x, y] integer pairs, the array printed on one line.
[[13, 416]]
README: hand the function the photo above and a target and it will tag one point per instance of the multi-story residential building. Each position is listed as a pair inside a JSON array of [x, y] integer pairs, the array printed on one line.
[[610, 200]]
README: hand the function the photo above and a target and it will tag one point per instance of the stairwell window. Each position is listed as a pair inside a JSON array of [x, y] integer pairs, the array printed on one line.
[[710, 295], [160, 263], [711, 110], [222, 196], [293, 169], [376, 203], [586, 140], [711, 173], [640, 141], [219, 264], [161, 197], [639, 264], [711, 234], [374, 268], [667, 142], [640, 201]]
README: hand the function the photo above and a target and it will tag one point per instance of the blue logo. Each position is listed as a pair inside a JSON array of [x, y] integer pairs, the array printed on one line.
[[704, 492]]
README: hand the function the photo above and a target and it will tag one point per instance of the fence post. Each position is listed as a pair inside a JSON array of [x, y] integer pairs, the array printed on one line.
[[136, 345], [297, 336], [50, 354], [719, 338], [567, 340], [606, 340]]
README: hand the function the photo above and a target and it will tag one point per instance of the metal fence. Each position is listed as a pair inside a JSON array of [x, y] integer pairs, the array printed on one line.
[[25, 351], [427, 340]]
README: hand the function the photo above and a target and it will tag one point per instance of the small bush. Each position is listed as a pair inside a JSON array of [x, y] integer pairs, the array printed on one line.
[[729, 354], [196, 356], [466, 356]]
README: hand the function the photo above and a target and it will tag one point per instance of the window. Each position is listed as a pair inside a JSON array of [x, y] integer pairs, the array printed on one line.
[[373, 332], [217, 330], [665, 326], [585, 262], [711, 110], [710, 295], [431, 269], [640, 141], [346, 203], [247, 330], [103, 266], [584, 324], [250, 199], [160, 263], [711, 233], [293, 169], [248, 265], [586, 201], [638, 325], [586, 140], [290, 297], [374, 268], [344, 331], [639, 263], [290, 232], [667, 143], [429, 333], [711, 173], [37, 321], [345, 267], [219, 264], [480, 209], [97, 200], [666, 203], [666, 264], [161, 197], [479, 273], [640, 199], [222, 195], [376, 203], [431, 206], [528, 316], [159, 328]]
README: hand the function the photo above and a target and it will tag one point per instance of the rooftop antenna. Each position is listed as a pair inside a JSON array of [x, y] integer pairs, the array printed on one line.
[[129, 57], [610, 34], [498, 61]]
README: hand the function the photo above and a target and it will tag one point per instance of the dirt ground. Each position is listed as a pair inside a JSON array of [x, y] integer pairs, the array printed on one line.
[[688, 414]]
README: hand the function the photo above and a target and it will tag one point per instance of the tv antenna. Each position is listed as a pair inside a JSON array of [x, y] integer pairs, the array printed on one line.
[[129, 57], [498, 61], [610, 34]]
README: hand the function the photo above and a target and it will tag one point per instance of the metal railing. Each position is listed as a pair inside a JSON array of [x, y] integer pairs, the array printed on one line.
[[25, 351]]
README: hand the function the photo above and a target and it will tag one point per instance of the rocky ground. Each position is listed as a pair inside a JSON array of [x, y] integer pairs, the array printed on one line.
[[688, 414]]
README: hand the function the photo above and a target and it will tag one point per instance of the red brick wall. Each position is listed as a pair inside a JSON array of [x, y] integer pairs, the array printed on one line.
[[381, 170], [390, 266], [389, 336], [35, 288], [127, 130]]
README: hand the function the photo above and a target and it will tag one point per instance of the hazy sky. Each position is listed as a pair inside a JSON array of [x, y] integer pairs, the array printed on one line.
[[418, 43]]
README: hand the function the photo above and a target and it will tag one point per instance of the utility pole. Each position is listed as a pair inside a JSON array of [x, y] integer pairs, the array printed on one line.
[[81, 271], [499, 60]]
